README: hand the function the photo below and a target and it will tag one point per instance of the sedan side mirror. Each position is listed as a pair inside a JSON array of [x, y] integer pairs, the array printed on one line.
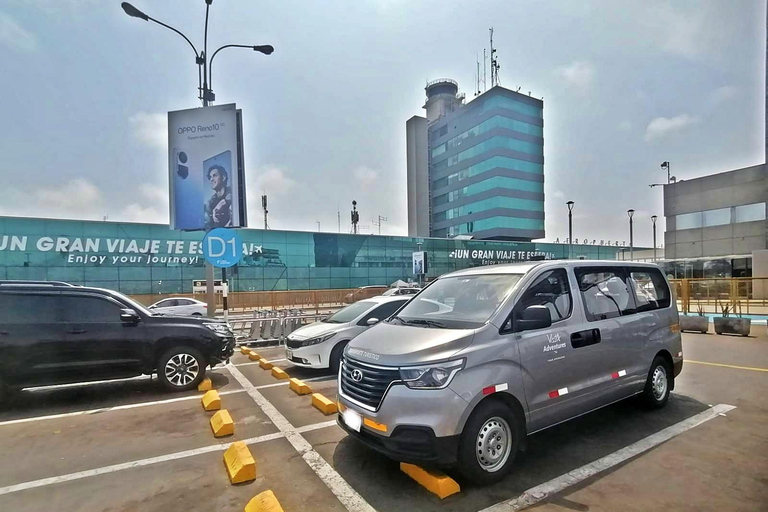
[[372, 321], [129, 316], [532, 318]]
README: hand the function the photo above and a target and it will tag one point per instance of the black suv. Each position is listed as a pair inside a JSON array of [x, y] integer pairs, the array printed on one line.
[[57, 333]]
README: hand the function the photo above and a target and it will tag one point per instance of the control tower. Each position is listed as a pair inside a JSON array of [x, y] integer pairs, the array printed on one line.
[[443, 97]]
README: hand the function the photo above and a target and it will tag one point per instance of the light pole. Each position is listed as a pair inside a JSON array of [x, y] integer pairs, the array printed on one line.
[[653, 219], [665, 165], [570, 204], [205, 95], [631, 213]]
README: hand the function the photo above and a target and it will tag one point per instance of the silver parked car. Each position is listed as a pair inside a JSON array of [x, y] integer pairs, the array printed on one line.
[[320, 344], [485, 356]]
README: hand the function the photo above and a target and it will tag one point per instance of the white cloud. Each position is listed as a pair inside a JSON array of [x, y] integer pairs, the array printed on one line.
[[78, 198], [579, 74], [15, 36], [272, 181], [150, 129], [558, 194], [157, 210], [73, 196], [365, 177], [662, 126]]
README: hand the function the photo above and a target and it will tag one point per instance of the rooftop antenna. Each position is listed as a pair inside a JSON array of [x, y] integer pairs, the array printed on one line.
[[338, 215], [355, 215], [264, 207], [477, 76], [378, 223], [494, 64], [485, 81]]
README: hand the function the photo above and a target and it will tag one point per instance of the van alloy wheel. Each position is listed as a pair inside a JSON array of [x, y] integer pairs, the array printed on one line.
[[659, 382], [181, 369], [494, 442]]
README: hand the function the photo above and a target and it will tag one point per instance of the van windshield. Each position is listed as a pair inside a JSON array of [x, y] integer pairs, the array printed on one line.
[[462, 302]]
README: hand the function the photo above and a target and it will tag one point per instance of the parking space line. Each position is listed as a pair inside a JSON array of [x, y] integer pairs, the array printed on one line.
[[88, 383], [733, 366], [115, 408], [130, 465], [345, 493], [541, 492], [316, 426]]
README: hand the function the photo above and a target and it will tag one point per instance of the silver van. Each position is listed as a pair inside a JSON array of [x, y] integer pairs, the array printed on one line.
[[483, 357]]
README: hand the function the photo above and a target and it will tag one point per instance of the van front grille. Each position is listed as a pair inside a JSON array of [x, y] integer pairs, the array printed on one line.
[[369, 390]]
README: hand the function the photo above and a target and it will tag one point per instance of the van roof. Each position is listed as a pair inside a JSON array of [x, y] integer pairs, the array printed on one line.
[[527, 266]]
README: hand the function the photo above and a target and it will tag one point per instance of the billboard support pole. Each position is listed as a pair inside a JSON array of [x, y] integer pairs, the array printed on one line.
[[225, 292]]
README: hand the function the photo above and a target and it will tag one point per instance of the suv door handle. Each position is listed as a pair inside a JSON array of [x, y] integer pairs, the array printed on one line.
[[76, 331], [585, 338]]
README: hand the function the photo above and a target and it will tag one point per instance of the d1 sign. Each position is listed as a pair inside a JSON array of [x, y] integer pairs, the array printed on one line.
[[222, 247]]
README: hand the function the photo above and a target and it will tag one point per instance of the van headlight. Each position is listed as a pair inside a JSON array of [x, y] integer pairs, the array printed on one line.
[[319, 339], [220, 329], [433, 376]]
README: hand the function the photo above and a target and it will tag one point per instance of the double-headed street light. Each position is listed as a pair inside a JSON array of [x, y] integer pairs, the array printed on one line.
[[204, 65], [570, 204], [653, 219], [631, 213]]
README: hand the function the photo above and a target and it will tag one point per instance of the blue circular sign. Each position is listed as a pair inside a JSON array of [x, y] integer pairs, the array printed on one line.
[[222, 247]]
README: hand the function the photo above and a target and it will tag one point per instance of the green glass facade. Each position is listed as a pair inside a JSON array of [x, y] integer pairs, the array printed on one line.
[[151, 258]]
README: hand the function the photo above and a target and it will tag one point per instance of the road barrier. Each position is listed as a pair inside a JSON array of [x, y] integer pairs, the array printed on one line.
[[265, 365], [299, 387], [288, 299], [323, 404], [241, 467], [222, 424], [434, 481], [211, 401], [272, 326], [741, 295], [264, 502], [205, 385], [278, 373]]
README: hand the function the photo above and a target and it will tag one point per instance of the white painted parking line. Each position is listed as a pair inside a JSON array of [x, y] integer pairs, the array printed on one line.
[[541, 492], [347, 495], [316, 426], [115, 408], [87, 383], [130, 465]]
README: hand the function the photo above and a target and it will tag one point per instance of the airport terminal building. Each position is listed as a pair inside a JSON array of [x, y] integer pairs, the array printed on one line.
[[153, 259]]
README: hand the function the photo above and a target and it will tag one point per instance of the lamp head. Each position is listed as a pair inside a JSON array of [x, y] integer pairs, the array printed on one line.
[[266, 49], [631, 213], [133, 12], [570, 205]]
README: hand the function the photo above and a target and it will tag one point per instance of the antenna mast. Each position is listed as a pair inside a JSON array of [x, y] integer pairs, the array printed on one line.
[[485, 81], [494, 63]]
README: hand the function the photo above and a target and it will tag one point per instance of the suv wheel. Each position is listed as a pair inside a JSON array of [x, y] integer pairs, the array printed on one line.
[[657, 386], [489, 443], [181, 368]]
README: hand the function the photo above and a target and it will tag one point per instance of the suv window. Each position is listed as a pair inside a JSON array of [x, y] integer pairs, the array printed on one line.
[[384, 311], [550, 289], [84, 309], [605, 292], [651, 290], [26, 308]]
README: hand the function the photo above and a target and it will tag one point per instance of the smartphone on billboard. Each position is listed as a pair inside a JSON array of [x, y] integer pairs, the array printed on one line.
[[187, 192], [219, 197]]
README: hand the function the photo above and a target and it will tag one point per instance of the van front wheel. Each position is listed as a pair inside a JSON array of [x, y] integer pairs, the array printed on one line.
[[489, 443]]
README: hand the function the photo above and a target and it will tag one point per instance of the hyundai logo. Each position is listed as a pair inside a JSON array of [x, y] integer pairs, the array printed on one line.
[[357, 375]]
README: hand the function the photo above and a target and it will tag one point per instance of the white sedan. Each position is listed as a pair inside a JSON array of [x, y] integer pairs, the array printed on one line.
[[180, 307]]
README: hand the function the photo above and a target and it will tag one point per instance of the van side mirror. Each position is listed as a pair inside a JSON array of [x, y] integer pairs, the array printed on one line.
[[532, 318], [129, 316], [372, 321]]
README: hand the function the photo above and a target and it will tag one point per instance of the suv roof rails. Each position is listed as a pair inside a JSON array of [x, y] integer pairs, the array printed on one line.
[[25, 282]]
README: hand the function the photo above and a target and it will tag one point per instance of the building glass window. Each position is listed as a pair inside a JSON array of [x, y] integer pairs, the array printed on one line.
[[439, 150], [492, 163], [719, 217], [509, 103], [749, 212], [688, 221]]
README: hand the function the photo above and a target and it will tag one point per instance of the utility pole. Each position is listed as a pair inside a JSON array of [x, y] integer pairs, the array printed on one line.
[[653, 219]]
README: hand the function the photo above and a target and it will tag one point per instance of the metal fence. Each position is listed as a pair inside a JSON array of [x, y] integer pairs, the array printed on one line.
[[272, 325], [747, 295]]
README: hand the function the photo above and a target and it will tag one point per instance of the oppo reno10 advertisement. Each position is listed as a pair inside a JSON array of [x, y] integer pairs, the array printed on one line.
[[206, 172]]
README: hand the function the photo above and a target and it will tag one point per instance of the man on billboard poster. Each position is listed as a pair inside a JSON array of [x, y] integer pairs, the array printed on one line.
[[218, 208]]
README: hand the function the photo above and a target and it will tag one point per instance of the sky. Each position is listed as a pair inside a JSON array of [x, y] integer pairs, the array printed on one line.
[[626, 85]]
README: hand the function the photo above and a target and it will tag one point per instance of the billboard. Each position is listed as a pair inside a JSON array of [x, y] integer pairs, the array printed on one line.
[[419, 262], [206, 170]]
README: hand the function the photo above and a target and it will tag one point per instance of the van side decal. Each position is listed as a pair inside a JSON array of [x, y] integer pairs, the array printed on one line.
[[495, 389]]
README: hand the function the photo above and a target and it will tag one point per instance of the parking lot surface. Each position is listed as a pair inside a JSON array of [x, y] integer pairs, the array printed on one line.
[[128, 445]]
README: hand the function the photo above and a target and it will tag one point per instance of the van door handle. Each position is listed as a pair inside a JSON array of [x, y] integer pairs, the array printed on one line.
[[76, 331], [585, 338]]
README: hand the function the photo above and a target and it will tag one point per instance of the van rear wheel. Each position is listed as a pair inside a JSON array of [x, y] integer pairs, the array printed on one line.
[[657, 386], [489, 443]]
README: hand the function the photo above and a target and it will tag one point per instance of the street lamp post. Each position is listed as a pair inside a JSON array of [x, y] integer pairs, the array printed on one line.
[[665, 165], [653, 219], [570, 204], [631, 213], [204, 79]]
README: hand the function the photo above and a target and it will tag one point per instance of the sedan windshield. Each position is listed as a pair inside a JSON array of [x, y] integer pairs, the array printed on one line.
[[463, 302], [350, 312]]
